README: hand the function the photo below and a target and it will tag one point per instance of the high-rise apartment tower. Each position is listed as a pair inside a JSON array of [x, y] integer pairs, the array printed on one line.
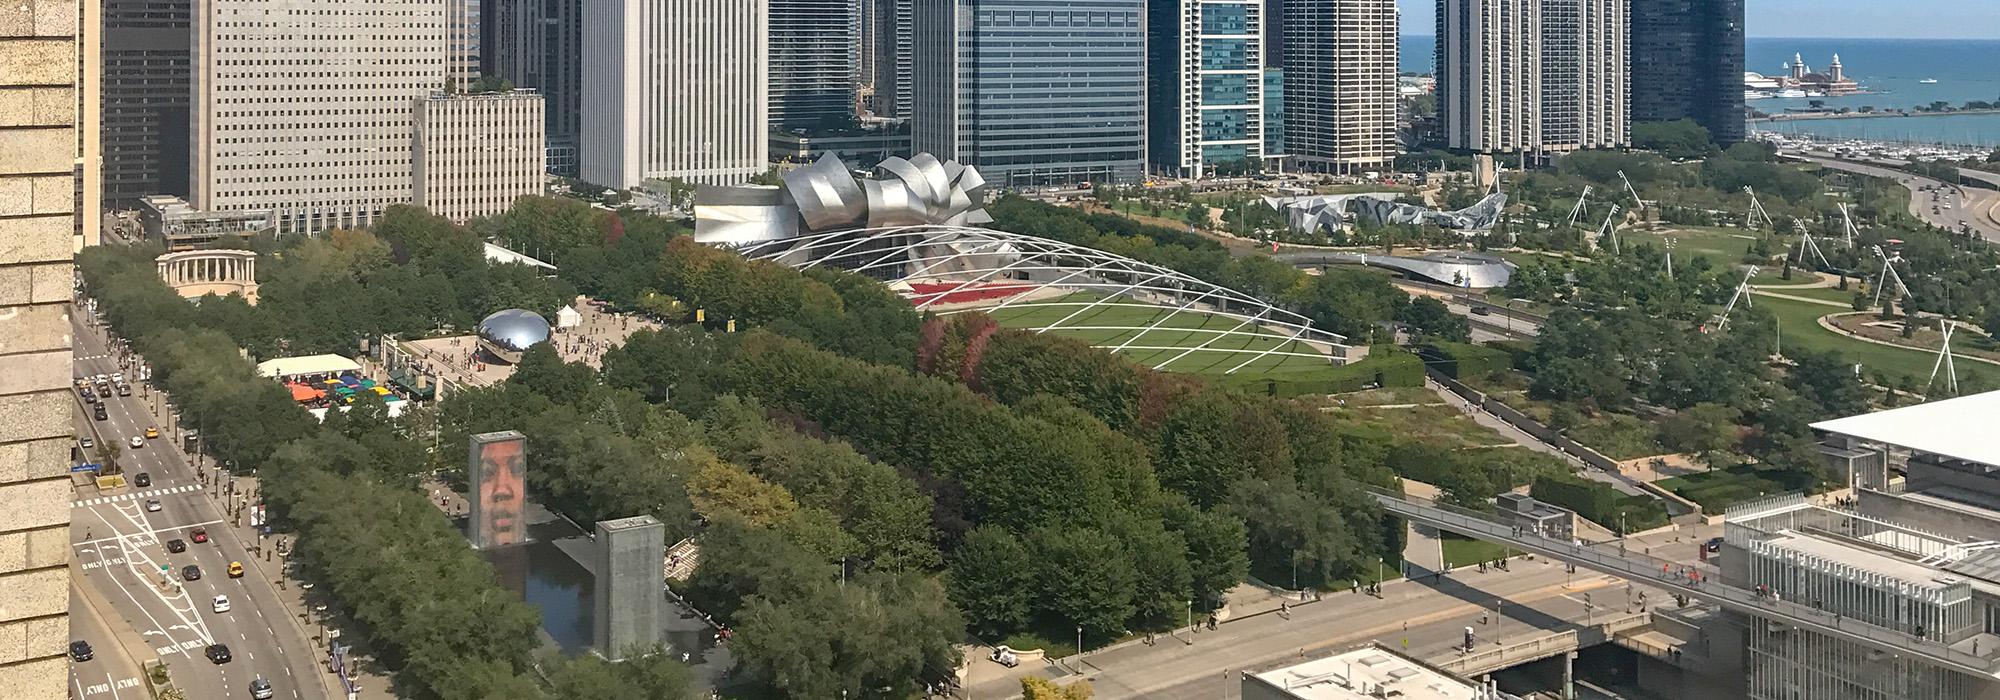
[[1687, 63], [1205, 87], [144, 86], [1340, 84], [1533, 76]]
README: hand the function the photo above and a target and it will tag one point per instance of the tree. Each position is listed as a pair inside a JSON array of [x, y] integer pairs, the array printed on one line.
[[1680, 139], [1039, 688], [719, 488], [1348, 302], [879, 636], [1703, 430], [1295, 531], [647, 674], [992, 580], [1087, 579], [1217, 551], [1432, 320]]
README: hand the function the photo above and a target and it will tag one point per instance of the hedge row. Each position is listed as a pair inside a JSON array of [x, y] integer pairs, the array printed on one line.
[[1463, 360]]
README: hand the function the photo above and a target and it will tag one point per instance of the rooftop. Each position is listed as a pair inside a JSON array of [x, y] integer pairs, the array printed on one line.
[[1356, 674], [1958, 428]]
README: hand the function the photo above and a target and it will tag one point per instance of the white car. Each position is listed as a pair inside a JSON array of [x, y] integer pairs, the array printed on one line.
[[152, 505], [221, 604], [136, 442]]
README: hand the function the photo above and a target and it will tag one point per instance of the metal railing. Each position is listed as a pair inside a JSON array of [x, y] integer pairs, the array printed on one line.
[[1663, 573]]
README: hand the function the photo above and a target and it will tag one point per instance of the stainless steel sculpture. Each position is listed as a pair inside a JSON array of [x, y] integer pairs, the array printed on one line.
[[826, 196], [1329, 213]]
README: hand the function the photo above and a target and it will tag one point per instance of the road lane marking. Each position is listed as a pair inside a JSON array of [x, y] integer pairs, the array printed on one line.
[[100, 500], [187, 615], [143, 536]]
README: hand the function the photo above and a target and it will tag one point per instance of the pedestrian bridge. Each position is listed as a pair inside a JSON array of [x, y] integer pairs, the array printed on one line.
[[1608, 558]]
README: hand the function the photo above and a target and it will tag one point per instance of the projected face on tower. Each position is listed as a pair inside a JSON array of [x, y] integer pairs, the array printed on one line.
[[499, 473]]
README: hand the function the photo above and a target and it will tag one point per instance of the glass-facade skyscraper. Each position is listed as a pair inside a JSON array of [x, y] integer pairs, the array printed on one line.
[[1205, 87], [813, 45], [1033, 92], [1687, 63]]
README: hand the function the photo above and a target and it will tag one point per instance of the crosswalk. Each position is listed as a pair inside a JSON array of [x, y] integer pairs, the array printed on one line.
[[100, 500], [98, 356]]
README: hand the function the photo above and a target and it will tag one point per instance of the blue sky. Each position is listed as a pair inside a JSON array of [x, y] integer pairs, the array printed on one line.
[[1933, 19]]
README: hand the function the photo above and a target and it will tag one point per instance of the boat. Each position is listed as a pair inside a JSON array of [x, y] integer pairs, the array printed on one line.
[[1928, 81]]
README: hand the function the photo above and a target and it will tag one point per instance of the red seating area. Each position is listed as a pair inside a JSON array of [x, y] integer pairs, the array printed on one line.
[[962, 292]]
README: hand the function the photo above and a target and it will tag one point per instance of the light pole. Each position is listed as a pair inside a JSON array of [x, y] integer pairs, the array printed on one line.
[[1079, 648]]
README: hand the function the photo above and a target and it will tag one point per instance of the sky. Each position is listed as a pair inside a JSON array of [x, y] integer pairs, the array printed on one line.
[[1929, 19]]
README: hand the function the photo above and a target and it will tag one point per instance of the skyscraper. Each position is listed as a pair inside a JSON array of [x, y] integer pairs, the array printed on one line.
[[1340, 84], [477, 153], [1533, 76], [676, 89], [306, 110], [1687, 63], [888, 66], [539, 44], [1205, 86], [812, 63], [1032, 92], [145, 82]]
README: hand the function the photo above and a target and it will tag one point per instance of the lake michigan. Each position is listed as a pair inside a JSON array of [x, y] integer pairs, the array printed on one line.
[[1891, 69]]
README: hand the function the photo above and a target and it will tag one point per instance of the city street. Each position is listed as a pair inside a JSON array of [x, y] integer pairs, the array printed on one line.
[[122, 556], [1956, 208], [1537, 596]]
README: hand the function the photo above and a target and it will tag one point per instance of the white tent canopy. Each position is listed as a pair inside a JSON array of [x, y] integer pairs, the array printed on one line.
[[1960, 428], [567, 317], [306, 365]]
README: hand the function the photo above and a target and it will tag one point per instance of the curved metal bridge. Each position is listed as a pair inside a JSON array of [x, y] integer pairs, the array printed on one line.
[[1608, 559]]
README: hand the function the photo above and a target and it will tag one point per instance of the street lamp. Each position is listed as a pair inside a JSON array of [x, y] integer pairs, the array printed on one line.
[[1079, 646]]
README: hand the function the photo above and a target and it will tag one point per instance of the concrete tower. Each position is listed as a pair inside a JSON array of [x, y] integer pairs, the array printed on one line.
[[630, 566]]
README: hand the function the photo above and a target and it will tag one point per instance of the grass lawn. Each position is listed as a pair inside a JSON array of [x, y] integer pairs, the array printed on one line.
[[1439, 425], [1108, 326], [1462, 551], [1390, 396], [1802, 330], [1717, 490], [1723, 245]]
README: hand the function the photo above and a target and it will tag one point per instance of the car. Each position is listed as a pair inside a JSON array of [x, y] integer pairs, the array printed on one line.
[[79, 650], [236, 569], [176, 546], [91, 396], [221, 604], [136, 442], [199, 535], [1713, 545], [191, 572], [152, 505], [260, 689], [218, 653], [142, 480], [1482, 311], [1005, 657], [86, 443], [98, 412], [124, 389], [152, 432]]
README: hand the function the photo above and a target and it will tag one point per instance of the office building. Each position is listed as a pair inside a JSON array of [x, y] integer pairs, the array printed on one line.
[[1533, 77], [1032, 93], [812, 69], [476, 154], [466, 18], [178, 226], [319, 137], [886, 63], [1205, 87], [1274, 117], [1687, 63], [144, 83], [539, 44], [1371, 672], [1340, 84], [1918, 554], [39, 145], [676, 89]]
